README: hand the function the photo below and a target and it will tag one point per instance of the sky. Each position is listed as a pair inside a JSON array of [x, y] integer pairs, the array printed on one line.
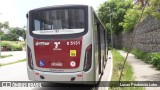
[[15, 11]]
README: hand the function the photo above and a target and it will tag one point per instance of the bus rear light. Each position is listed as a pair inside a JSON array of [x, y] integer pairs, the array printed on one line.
[[79, 75], [30, 60], [88, 58], [37, 73]]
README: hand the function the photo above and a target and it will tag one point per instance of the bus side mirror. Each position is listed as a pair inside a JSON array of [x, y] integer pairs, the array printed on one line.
[[27, 15]]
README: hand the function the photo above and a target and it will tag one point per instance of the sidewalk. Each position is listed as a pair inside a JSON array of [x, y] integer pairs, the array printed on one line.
[[107, 73], [142, 71], [17, 55]]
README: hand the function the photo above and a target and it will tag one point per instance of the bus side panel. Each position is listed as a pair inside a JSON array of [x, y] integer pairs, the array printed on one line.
[[90, 74], [99, 46], [95, 46], [29, 45]]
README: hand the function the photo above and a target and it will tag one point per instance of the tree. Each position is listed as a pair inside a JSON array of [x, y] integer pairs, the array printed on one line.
[[14, 33], [118, 9], [153, 8], [19, 32], [10, 37], [3, 26], [131, 18], [6, 25], [11, 33], [132, 15]]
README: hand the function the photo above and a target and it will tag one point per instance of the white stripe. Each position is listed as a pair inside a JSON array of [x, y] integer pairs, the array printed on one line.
[[58, 31]]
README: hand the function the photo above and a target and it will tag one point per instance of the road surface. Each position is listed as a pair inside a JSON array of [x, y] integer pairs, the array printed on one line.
[[18, 72]]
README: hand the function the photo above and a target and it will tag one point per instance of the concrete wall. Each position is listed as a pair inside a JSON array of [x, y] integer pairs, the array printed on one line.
[[147, 36]]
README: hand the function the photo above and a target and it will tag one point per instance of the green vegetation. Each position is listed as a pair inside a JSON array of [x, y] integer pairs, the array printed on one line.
[[131, 18], [152, 58], [139, 54], [13, 45], [4, 56], [118, 61], [125, 49], [14, 34], [13, 62], [153, 8], [8, 33], [125, 15], [132, 15], [116, 9], [4, 25]]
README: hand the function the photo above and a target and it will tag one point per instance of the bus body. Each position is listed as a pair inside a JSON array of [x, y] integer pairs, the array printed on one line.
[[65, 43]]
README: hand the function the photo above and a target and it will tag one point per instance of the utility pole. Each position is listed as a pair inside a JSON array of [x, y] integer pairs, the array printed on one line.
[[110, 26]]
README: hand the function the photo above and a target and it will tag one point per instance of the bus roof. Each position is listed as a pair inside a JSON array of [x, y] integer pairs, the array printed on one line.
[[61, 6]]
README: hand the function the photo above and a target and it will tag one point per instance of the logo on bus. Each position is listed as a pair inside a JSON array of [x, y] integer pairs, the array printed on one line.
[[72, 53], [41, 63], [56, 46], [42, 43]]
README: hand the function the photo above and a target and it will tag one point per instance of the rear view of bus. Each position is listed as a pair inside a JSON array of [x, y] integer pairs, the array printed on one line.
[[59, 44]]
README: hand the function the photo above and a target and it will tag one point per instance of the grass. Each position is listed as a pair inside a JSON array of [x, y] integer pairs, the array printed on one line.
[[4, 56], [127, 75], [13, 62]]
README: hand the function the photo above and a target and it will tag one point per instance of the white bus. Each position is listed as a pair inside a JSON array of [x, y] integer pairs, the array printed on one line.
[[65, 43]]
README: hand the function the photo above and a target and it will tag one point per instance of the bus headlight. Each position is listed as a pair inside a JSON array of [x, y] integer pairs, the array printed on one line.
[[88, 58]]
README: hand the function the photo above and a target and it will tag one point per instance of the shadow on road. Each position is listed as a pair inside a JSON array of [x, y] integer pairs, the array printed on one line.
[[53, 86]]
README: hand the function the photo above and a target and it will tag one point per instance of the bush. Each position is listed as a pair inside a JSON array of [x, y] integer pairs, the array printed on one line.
[[125, 49], [5, 43], [155, 59], [139, 54], [152, 58], [14, 46], [23, 44]]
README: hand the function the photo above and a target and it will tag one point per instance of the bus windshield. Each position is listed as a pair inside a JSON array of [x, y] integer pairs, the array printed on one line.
[[58, 21]]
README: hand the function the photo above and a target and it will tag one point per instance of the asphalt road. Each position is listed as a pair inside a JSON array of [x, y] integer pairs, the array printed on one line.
[[18, 72]]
